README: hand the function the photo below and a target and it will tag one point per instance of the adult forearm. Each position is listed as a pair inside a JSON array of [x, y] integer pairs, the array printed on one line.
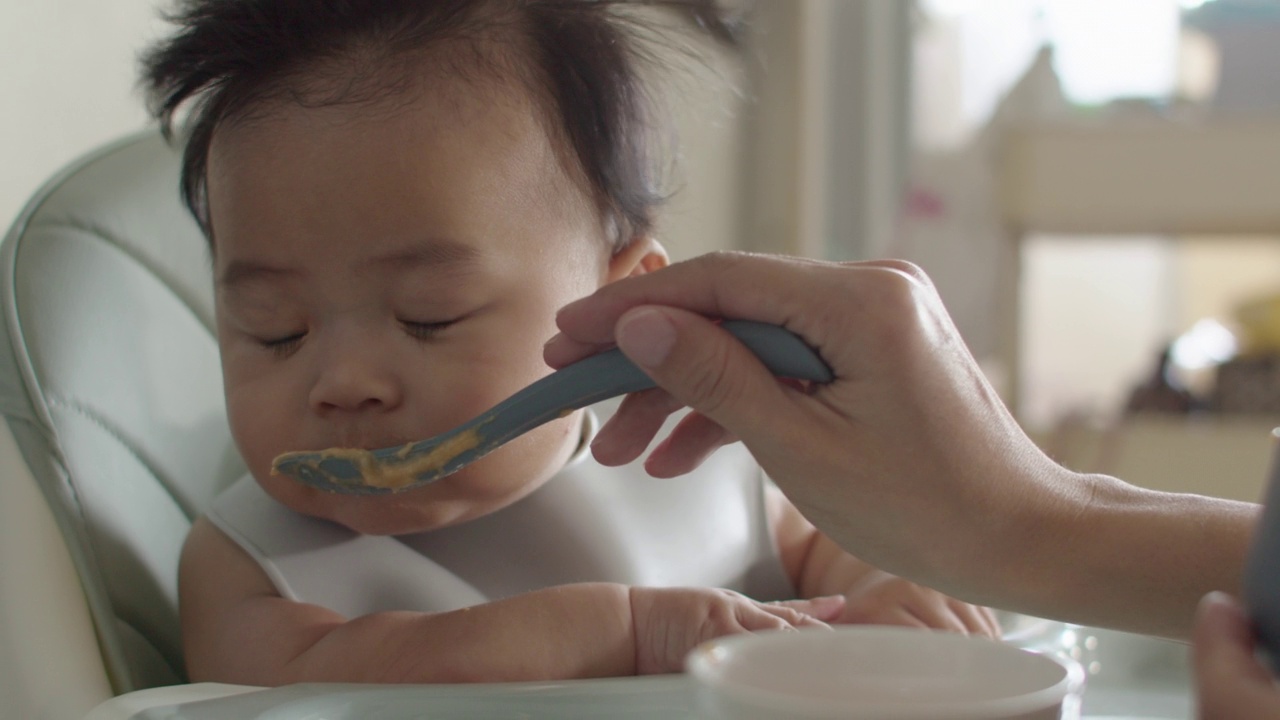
[[1128, 558]]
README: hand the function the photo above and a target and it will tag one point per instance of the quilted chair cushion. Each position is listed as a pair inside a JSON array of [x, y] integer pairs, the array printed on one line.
[[110, 382]]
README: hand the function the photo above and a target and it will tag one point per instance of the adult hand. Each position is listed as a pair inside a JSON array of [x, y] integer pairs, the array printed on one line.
[[908, 459], [897, 459], [1230, 681]]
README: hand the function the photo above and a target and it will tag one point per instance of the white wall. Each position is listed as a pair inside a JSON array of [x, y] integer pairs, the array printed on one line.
[[1096, 312], [709, 112], [67, 82]]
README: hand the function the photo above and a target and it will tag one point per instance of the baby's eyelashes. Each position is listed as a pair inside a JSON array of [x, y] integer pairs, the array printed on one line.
[[426, 330], [284, 346]]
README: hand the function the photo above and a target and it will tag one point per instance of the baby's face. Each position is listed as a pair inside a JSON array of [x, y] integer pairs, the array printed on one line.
[[386, 273]]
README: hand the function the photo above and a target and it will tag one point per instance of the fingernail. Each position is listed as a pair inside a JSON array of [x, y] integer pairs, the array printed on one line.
[[555, 341], [1218, 598], [597, 443], [1219, 608], [1220, 605], [646, 335]]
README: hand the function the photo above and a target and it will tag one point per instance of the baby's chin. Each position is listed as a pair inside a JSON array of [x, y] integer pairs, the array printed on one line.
[[449, 501]]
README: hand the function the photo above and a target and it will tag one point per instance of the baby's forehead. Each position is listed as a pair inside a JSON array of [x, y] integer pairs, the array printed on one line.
[[450, 141]]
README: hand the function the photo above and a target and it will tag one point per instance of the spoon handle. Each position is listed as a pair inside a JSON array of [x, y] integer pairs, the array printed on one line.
[[610, 373]]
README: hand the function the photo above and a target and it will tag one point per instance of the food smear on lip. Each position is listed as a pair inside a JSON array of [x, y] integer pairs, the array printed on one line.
[[375, 473]]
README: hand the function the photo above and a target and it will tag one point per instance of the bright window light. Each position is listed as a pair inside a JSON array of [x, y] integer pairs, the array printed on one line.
[[1107, 49], [1206, 344]]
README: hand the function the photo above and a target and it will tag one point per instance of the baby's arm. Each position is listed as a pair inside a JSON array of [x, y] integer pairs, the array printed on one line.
[[818, 566], [237, 629]]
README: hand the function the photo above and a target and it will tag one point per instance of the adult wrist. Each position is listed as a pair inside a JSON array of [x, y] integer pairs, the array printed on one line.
[[1029, 554]]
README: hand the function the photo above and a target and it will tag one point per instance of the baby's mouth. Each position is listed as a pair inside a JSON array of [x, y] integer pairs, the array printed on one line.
[[356, 440], [385, 469]]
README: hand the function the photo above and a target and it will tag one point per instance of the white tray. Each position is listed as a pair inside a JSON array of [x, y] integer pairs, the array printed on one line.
[[1138, 677]]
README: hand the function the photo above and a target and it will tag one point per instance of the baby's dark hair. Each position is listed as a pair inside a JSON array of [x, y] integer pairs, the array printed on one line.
[[583, 59]]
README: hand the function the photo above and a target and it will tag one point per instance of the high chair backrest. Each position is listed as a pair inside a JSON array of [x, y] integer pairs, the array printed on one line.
[[110, 384]]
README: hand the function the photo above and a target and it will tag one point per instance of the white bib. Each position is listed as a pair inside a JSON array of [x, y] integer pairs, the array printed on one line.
[[589, 523]]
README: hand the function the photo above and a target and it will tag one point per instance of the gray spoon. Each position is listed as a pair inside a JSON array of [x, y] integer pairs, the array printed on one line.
[[590, 380]]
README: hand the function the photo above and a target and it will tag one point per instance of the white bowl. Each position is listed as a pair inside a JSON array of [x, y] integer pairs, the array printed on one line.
[[886, 673]]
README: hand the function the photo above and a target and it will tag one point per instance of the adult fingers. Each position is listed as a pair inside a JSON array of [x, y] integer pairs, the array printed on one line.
[[706, 368], [691, 442], [633, 426], [1231, 683], [1223, 639], [722, 285]]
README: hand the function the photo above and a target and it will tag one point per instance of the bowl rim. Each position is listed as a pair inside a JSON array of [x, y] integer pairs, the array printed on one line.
[[704, 662]]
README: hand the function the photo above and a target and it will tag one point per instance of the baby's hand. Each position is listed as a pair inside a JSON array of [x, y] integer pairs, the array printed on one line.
[[669, 622], [884, 599]]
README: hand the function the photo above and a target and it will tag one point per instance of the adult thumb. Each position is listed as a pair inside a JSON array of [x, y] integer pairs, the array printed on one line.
[[1231, 683], [702, 366], [1222, 640]]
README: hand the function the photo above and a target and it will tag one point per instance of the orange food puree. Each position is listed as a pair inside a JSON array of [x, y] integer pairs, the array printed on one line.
[[397, 475]]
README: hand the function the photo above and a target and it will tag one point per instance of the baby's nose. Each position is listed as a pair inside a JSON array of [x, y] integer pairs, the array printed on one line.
[[356, 377]]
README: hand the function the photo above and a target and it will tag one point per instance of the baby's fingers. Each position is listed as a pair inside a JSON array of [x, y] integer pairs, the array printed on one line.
[[927, 612], [786, 615], [898, 616], [939, 613], [977, 620], [827, 609]]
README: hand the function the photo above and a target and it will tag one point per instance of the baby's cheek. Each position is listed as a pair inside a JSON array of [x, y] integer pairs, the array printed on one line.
[[524, 463], [257, 432]]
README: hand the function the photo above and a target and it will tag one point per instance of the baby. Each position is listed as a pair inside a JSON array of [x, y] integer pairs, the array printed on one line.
[[398, 195]]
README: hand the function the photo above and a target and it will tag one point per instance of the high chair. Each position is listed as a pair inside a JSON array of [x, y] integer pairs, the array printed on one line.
[[112, 394]]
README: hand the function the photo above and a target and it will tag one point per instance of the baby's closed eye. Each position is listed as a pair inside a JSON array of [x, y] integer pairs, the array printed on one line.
[[283, 345], [427, 330]]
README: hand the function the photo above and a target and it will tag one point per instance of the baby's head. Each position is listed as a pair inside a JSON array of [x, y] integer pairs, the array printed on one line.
[[398, 195]]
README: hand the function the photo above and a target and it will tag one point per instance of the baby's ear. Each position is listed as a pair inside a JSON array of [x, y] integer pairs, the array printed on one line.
[[642, 255]]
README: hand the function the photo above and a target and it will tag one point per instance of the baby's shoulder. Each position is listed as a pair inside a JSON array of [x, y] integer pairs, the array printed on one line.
[[214, 565]]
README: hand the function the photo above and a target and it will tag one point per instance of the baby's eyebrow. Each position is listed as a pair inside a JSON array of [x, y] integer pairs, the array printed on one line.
[[445, 253], [239, 273], [437, 253]]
